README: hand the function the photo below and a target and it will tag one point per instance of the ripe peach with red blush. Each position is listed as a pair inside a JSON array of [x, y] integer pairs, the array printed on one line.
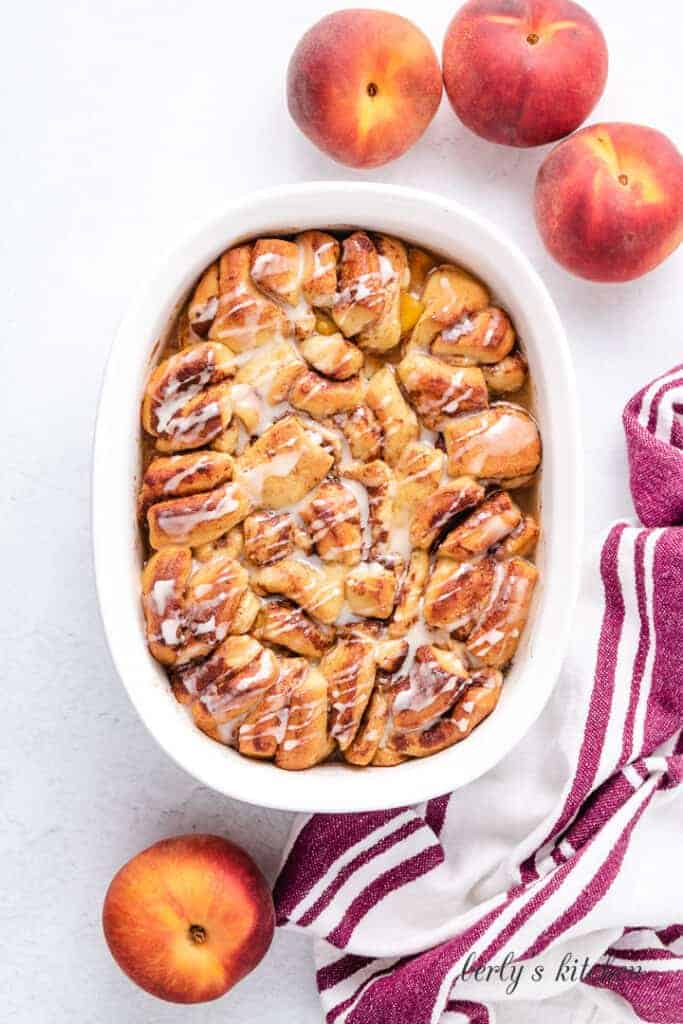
[[188, 918], [523, 72], [609, 201], [363, 85]]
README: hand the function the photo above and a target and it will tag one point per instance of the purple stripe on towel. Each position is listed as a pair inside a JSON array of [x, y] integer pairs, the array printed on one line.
[[363, 858], [386, 883], [600, 705], [327, 837]]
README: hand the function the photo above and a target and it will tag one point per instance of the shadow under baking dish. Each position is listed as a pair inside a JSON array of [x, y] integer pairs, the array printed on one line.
[[460, 237]]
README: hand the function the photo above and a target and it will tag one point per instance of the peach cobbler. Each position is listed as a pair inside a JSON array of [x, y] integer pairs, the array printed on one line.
[[338, 500]]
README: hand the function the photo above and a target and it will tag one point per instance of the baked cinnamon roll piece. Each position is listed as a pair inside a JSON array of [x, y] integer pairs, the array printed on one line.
[[361, 295], [371, 590], [362, 432], [320, 397], [394, 415], [244, 317], [479, 698], [486, 337], [230, 544], [320, 255], [490, 523], [380, 484], [458, 592], [318, 591], [507, 376], [332, 355], [435, 680], [418, 474], [350, 672], [307, 740], [197, 518], [265, 380], [389, 652], [187, 400], [223, 689], [494, 639], [365, 744], [438, 391], [265, 726], [187, 614], [385, 332], [449, 294], [283, 464], [174, 476], [286, 625], [434, 513], [277, 268], [420, 266], [332, 518], [203, 306], [521, 541], [164, 580], [501, 444], [410, 594], [268, 536]]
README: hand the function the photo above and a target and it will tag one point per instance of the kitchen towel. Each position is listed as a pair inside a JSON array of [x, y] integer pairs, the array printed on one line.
[[561, 868]]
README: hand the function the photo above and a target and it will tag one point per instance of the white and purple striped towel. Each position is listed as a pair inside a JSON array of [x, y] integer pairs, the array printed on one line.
[[562, 867]]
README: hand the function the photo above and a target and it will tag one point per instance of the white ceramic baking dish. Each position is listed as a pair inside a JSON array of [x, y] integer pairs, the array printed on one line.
[[460, 236]]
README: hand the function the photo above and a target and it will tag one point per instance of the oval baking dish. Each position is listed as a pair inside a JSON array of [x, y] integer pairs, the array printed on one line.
[[457, 236]]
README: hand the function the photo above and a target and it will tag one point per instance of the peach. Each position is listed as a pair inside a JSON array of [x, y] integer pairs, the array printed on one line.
[[609, 201], [523, 72], [363, 85], [188, 918]]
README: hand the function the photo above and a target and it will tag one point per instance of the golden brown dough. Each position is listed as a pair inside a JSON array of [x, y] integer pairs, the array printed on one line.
[[394, 415], [409, 594], [487, 337], [318, 591], [507, 376], [449, 294], [363, 433], [187, 399], [174, 476], [434, 513], [332, 518], [438, 391], [501, 444], [198, 518], [285, 624], [332, 355], [320, 254], [283, 464], [306, 740], [371, 590], [244, 318], [493, 520], [496, 635], [457, 592], [385, 332], [350, 671], [361, 295]]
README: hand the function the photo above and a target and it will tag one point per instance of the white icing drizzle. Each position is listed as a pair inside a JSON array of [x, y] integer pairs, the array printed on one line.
[[175, 523]]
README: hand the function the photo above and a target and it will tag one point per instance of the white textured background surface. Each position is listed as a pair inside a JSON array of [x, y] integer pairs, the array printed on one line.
[[124, 123]]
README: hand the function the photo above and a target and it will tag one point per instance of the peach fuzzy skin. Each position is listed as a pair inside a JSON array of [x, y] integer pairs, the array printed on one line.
[[188, 918], [524, 72], [363, 86], [609, 201]]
